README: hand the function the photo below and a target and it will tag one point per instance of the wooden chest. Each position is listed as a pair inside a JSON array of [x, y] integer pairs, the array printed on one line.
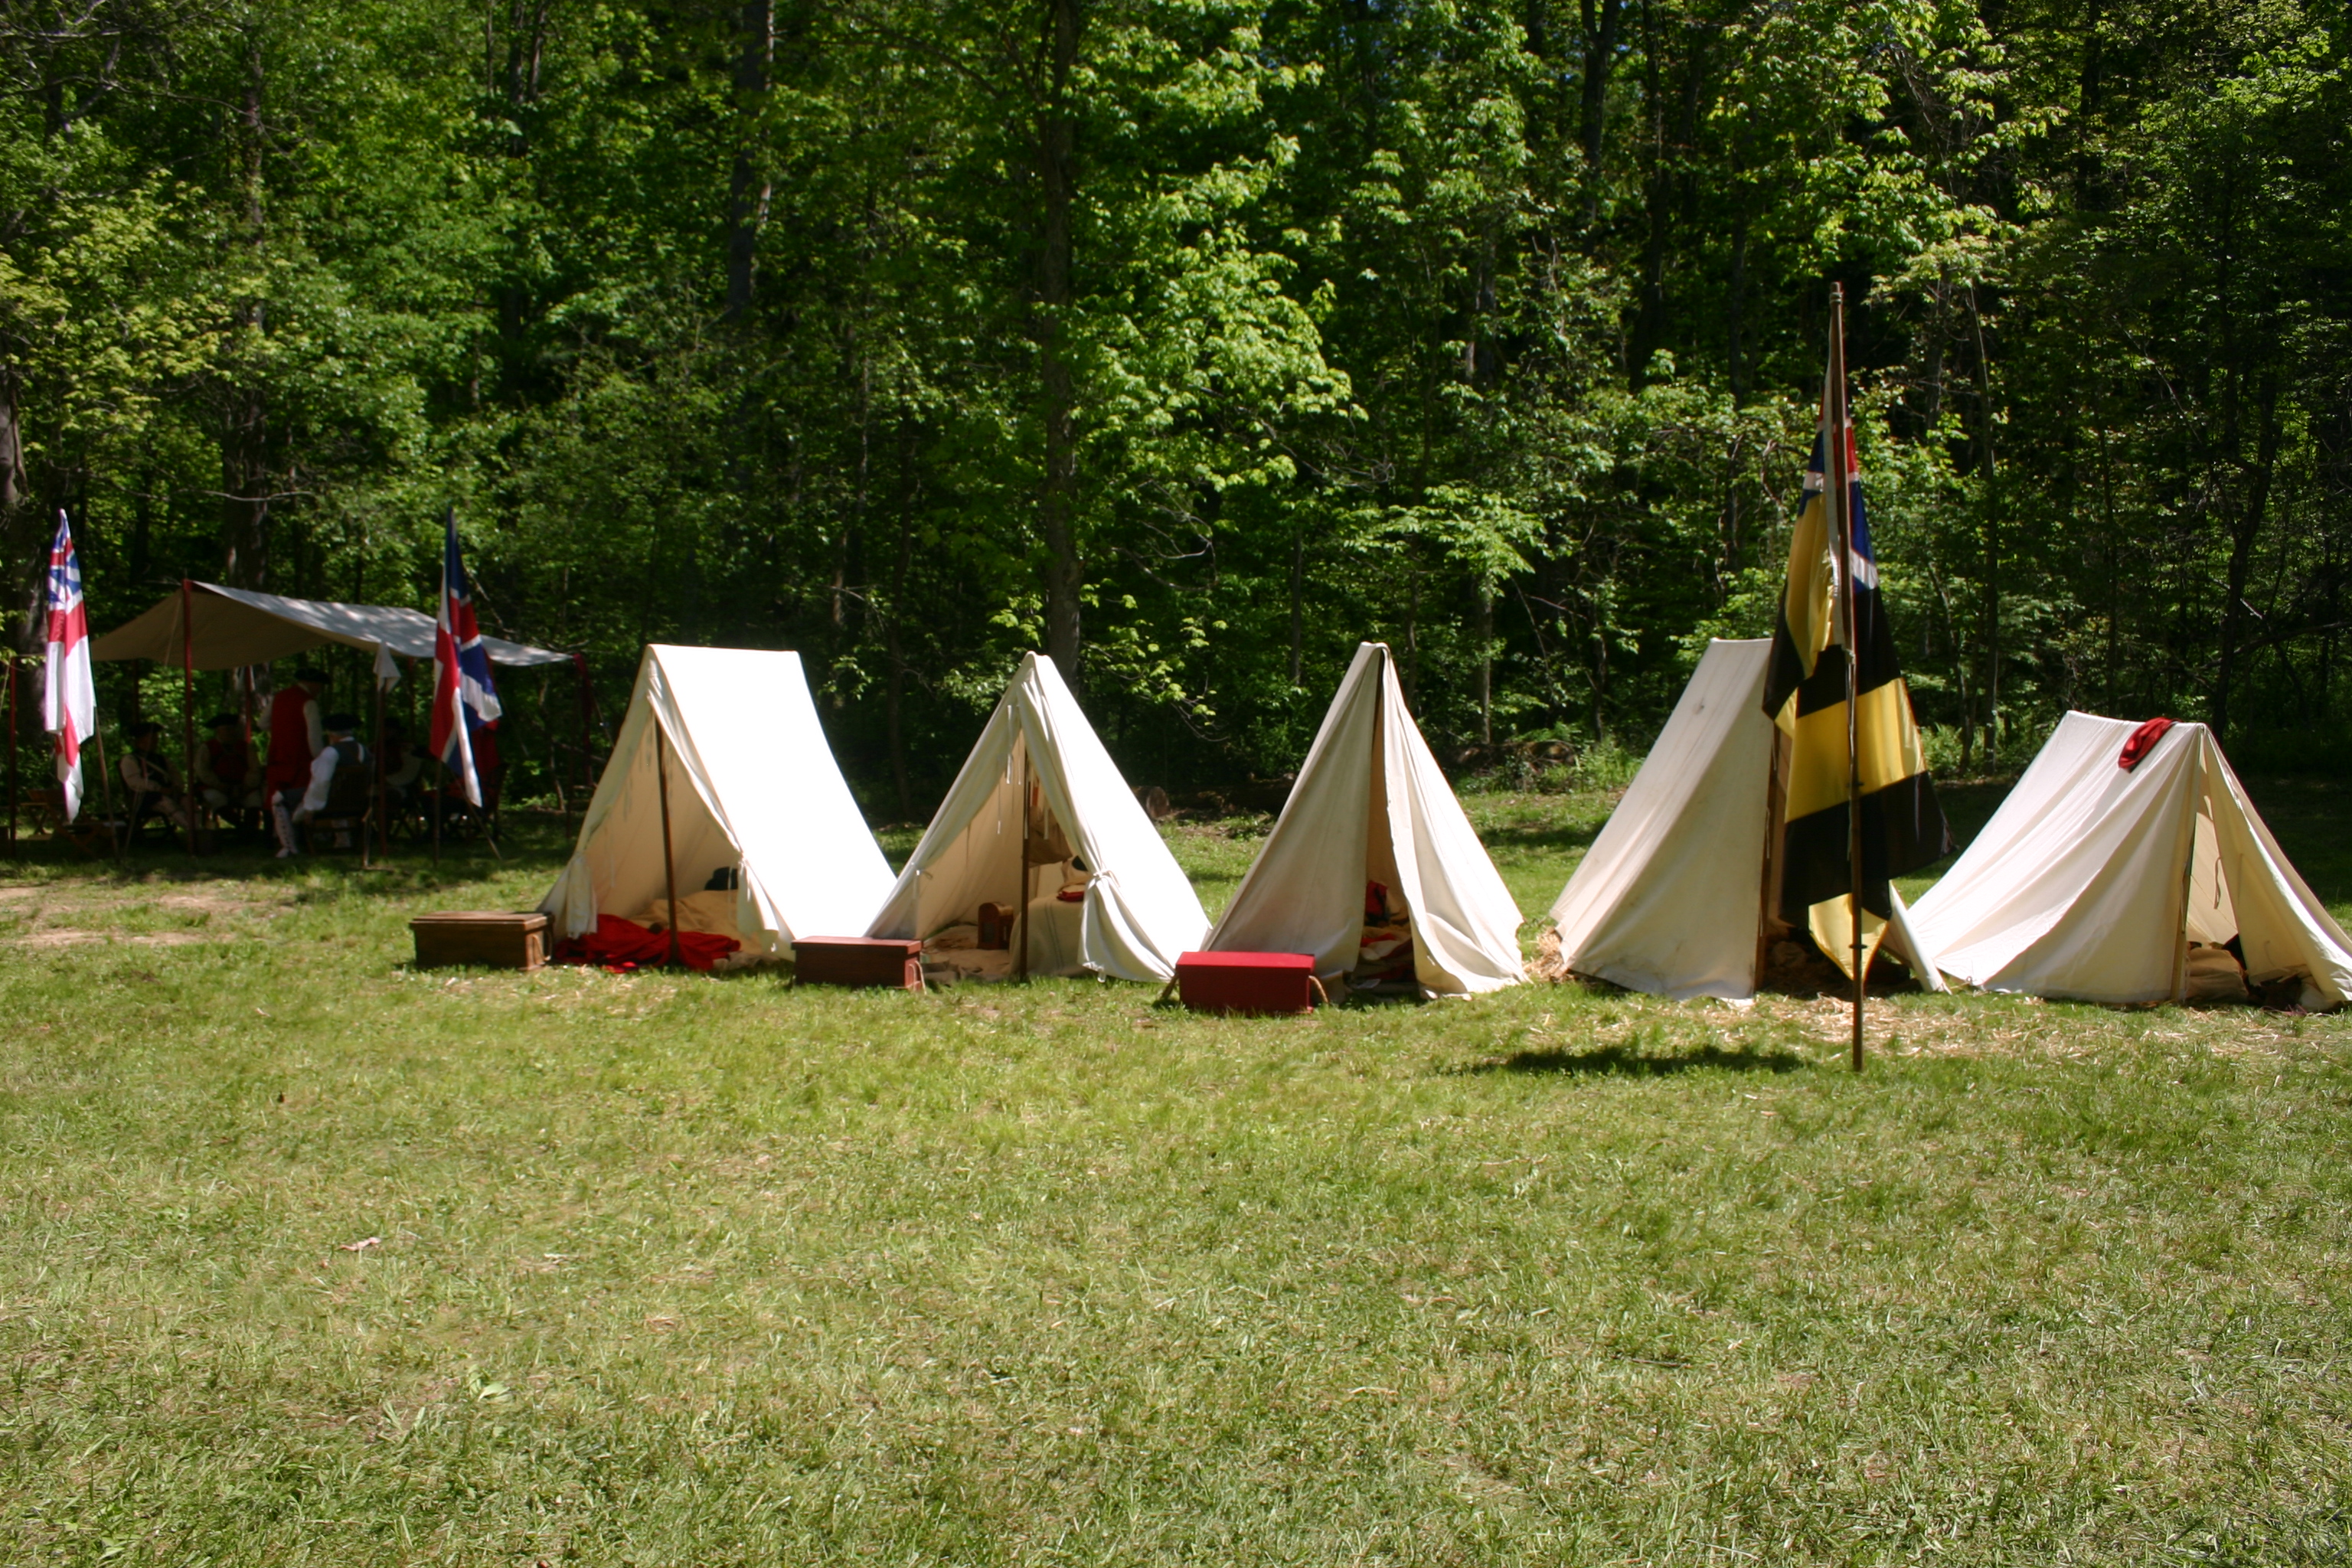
[[1246, 981], [487, 939], [859, 961]]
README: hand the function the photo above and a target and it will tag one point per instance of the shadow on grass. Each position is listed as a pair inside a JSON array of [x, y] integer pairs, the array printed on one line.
[[1620, 1061]]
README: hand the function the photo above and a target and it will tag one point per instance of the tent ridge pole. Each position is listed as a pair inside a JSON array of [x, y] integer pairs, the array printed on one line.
[[188, 797], [670, 863], [1020, 910]]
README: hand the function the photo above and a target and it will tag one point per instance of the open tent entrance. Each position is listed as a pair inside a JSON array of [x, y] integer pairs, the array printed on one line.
[[2153, 882], [1679, 895], [1040, 861], [722, 784], [1372, 867]]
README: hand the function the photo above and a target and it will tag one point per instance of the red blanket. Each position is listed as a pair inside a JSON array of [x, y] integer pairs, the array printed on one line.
[[618, 945], [2143, 740]]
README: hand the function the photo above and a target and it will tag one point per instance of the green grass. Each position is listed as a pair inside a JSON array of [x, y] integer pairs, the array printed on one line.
[[711, 1271]]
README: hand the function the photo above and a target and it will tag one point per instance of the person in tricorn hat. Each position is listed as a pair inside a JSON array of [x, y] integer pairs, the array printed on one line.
[[296, 731], [343, 750]]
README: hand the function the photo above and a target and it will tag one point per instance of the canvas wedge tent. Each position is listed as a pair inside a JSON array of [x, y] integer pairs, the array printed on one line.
[[751, 784], [1371, 806], [2093, 879], [1676, 894], [1039, 810]]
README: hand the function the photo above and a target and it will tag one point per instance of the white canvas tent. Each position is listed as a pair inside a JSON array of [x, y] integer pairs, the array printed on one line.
[[752, 784], [2091, 880], [1039, 786], [1372, 806], [1674, 895]]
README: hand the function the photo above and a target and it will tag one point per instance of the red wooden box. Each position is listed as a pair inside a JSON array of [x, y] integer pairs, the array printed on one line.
[[1246, 981], [859, 961]]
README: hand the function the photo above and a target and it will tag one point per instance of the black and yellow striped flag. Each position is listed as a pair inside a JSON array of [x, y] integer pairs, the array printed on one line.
[[1903, 827]]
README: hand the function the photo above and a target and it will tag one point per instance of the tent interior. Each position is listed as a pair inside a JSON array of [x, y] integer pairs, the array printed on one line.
[[1373, 868], [1040, 825], [2159, 881], [1679, 895], [764, 838]]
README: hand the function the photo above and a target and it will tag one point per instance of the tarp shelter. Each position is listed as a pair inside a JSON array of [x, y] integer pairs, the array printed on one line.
[[1372, 806], [1676, 894], [206, 626], [2091, 880], [1039, 789], [752, 785]]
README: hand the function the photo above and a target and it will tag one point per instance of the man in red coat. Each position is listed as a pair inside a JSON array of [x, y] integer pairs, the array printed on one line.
[[296, 736]]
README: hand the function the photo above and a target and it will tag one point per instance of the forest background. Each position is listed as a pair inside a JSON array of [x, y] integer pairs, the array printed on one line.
[[1192, 341]]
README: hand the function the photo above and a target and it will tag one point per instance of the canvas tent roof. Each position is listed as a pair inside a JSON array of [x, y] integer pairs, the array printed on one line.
[[1671, 898], [1139, 913], [1370, 804], [2089, 879], [236, 626], [752, 783]]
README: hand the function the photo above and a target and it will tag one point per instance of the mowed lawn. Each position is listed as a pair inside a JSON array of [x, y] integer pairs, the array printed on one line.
[[307, 1258]]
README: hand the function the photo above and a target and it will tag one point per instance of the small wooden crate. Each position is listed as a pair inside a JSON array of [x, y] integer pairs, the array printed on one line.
[[859, 961], [486, 939]]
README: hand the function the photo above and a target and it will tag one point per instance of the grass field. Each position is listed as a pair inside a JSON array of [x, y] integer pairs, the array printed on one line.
[[307, 1258]]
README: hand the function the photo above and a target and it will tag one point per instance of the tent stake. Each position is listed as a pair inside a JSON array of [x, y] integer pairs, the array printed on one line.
[[669, 865], [1841, 498]]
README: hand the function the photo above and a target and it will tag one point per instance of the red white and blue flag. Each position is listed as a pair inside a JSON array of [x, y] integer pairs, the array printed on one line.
[[463, 697], [69, 695]]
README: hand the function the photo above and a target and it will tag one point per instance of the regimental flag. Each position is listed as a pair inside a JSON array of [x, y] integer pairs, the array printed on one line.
[[464, 697], [1903, 827], [69, 695]]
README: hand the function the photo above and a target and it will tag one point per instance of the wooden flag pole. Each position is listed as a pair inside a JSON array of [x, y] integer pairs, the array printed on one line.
[[669, 865], [1840, 480]]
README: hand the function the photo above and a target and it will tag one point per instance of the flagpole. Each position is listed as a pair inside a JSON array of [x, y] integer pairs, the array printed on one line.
[[1841, 498]]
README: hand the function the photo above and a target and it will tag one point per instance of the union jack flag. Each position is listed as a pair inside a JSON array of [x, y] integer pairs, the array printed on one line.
[[464, 697], [69, 695]]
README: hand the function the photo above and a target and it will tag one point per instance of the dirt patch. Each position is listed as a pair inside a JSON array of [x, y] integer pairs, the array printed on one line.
[[70, 936]]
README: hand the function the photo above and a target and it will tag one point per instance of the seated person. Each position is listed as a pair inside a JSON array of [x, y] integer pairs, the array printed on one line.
[[224, 771], [154, 786], [404, 763], [342, 752]]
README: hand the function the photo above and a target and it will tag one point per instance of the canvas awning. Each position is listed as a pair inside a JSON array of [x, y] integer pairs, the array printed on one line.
[[236, 626]]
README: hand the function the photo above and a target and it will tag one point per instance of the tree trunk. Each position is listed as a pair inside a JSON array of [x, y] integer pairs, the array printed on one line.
[[244, 406], [1298, 602], [1991, 686], [2242, 556], [749, 190], [1058, 498], [1600, 59]]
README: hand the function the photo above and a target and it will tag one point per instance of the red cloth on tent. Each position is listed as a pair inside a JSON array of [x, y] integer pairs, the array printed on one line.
[[616, 943], [2143, 740]]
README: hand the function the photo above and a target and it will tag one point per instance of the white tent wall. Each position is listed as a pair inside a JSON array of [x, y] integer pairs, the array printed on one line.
[[1370, 799], [1139, 913], [752, 781], [2089, 877], [1669, 897]]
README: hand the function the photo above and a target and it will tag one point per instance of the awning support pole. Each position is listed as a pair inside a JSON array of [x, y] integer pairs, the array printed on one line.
[[669, 862], [382, 818], [189, 796]]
